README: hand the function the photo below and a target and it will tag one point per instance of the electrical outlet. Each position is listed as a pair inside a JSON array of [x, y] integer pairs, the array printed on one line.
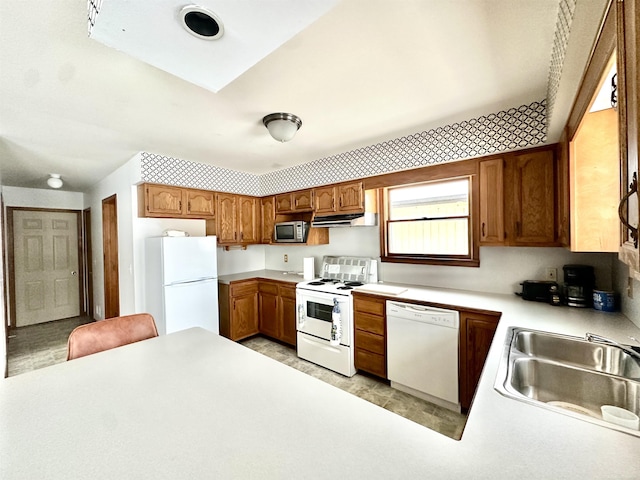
[[630, 287], [551, 274], [286, 258]]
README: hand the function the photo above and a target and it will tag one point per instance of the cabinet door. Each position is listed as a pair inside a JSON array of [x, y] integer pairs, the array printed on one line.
[[268, 217], [325, 200], [283, 203], [227, 223], [288, 315], [303, 200], [164, 201], [200, 204], [351, 198], [628, 62], [244, 310], [268, 308], [476, 334], [492, 202], [534, 199], [248, 215]]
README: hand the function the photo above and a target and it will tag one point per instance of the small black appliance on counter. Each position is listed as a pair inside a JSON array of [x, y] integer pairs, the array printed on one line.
[[540, 291], [579, 281]]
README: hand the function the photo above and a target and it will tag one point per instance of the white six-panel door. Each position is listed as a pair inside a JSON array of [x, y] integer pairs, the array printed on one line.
[[46, 266]]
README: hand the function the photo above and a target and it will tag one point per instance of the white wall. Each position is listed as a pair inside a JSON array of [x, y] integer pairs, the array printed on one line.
[[236, 260], [629, 306], [118, 183], [501, 268], [42, 198]]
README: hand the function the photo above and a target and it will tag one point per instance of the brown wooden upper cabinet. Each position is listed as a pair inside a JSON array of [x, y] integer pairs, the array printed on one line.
[[492, 202], [268, 219], [292, 202], [518, 200], [344, 198], [238, 220], [174, 202]]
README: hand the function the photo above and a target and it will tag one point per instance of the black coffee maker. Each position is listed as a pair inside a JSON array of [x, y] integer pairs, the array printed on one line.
[[579, 281]]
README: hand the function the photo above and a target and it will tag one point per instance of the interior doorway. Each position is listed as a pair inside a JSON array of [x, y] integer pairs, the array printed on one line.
[[44, 260], [110, 252]]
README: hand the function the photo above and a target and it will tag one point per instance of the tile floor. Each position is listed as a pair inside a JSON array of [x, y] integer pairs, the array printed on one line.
[[39, 346], [432, 416]]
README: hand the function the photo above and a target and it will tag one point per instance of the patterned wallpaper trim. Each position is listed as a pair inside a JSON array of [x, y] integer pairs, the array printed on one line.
[[512, 129], [93, 9], [560, 42], [174, 171]]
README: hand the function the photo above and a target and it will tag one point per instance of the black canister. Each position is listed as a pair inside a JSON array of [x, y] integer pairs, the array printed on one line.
[[579, 281]]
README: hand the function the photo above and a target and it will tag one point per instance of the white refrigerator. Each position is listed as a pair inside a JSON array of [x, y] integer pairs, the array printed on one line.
[[181, 283]]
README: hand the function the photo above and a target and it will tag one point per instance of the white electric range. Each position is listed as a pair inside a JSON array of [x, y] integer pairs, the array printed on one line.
[[315, 302]]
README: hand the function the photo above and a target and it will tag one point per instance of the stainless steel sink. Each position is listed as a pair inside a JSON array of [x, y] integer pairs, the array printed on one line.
[[568, 375], [577, 352]]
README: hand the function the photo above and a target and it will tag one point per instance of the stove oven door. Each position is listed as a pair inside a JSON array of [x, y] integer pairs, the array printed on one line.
[[314, 310]]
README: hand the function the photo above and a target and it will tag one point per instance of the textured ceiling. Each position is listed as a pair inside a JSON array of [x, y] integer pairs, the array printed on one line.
[[362, 73]]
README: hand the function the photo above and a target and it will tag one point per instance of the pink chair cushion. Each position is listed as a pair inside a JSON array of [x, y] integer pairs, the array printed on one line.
[[106, 334]]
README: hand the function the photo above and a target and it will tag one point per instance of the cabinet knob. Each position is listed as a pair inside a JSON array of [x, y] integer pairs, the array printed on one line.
[[483, 232]]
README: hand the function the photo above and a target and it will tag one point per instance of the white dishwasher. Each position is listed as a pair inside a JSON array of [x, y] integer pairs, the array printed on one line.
[[422, 352]]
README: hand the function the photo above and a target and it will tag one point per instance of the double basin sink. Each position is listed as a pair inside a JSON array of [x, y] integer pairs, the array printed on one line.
[[569, 375]]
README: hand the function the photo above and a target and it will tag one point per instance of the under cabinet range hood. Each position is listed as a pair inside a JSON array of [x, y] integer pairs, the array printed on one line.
[[364, 219]]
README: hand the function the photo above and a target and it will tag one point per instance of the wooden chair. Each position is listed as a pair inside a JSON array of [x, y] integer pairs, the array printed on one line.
[[110, 333]]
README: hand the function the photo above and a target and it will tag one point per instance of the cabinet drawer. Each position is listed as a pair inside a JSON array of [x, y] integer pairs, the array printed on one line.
[[271, 288], [370, 342], [287, 291], [243, 288], [369, 323], [371, 362], [376, 307]]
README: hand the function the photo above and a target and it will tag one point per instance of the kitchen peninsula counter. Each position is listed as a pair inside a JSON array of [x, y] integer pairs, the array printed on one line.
[[195, 405]]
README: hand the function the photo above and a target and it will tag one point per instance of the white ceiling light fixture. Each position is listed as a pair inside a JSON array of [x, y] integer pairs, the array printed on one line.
[[282, 126], [201, 22], [54, 180]]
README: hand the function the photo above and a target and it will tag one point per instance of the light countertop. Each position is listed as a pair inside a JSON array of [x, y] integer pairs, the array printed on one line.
[[292, 277], [506, 438], [196, 405]]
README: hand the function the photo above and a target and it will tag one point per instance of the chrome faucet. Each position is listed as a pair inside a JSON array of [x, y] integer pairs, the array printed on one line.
[[592, 337]]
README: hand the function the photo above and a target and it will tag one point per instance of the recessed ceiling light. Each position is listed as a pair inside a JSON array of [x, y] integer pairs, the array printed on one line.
[[201, 22]]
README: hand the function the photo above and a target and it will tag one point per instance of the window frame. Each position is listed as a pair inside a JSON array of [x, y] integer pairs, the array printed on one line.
[[472, 259]]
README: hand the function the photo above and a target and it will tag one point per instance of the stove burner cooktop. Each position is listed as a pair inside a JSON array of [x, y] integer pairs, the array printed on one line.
[[353, 284], [345, 287], [316, 283]]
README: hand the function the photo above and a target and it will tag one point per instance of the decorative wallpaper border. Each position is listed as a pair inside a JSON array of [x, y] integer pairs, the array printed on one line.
[[93, 9], [174, 171], [560, 42], [512, 129]]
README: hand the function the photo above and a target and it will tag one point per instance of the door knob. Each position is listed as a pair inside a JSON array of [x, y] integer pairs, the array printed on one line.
[[74, 273]]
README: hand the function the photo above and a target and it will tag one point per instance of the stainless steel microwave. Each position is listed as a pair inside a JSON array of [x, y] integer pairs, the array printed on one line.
[[291, 232]]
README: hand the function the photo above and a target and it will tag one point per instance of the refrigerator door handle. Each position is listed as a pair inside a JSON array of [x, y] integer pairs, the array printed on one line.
[[198, 280]]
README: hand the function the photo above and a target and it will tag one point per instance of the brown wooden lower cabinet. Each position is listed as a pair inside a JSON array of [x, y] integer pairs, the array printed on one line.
[[238, 309], [287, 313], [370, 345], [249, 307], [476, 334]]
